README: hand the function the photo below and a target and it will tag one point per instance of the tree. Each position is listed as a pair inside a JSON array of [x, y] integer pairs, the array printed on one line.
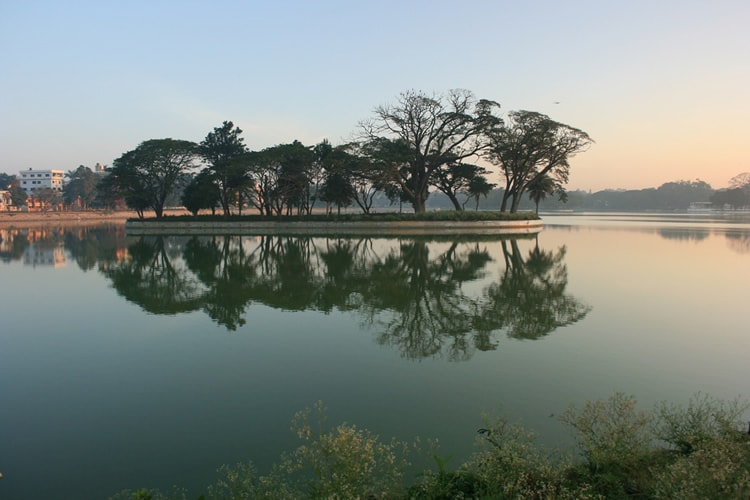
[[457, 178], [200, 193], [539, 188], [18, 195], [741, 181], [48, 198], [529, 146], [218, 149], [735, 198], [296, 162], [478, 186], [149, 173], [5, 180], [338, 190], [436, 131], [81, 187], [339, 173]]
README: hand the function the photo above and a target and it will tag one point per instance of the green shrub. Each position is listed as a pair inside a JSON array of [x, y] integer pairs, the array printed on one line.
[[611, 431], [344, 462], [510, 465], [237, 482], [707, 457], [704, 420], [150, 494], [613, 438], [716, 469]]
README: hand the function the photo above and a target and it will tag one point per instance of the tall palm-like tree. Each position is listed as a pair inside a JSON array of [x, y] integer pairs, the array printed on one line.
[[539, 188]]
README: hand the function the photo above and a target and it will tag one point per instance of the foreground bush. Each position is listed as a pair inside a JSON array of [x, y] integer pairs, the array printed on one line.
[[697, 451]]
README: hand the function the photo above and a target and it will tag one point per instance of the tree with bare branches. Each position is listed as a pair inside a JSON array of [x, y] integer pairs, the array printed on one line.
[[529, 146], [436, 131]]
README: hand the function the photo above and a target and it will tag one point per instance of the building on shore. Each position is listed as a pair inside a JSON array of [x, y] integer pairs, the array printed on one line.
[[33, 180]]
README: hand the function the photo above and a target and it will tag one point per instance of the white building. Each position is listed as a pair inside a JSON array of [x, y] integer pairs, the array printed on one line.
[[31, 180]]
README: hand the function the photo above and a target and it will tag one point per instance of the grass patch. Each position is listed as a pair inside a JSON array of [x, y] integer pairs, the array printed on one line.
[[434, 216]]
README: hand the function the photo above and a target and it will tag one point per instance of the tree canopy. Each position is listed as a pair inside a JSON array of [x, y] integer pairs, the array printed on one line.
[[433, 132], [147, 175], [420, 144], [81, 187], [529, 146], [220, 150]]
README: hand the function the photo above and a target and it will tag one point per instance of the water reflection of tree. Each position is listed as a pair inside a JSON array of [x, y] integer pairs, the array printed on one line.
[[430, 312], [739, 242], [92, 245], [684, 234], [151, 280], [412, 293], [529, 300]]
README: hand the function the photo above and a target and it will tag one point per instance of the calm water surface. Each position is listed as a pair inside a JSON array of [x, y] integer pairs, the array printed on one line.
[[131, 362]]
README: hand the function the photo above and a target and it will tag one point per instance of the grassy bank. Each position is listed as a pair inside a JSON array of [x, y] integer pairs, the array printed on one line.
[[436, 216], [701, 450]]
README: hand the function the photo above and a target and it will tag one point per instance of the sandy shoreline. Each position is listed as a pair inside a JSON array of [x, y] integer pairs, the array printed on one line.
[[29, 219]]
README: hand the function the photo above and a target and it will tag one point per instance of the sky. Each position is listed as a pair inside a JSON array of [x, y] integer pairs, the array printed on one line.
[[661, 86]]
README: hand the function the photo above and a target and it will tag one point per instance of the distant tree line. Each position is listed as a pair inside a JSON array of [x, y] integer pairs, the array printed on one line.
[[670, 196]]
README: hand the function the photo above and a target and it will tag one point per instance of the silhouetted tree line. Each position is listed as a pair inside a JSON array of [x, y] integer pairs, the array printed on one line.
[[420, 145]]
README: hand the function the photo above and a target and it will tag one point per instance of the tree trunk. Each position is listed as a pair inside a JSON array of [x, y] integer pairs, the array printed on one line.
[[504, 204], [455, 202], [516, 202], [419, 205]]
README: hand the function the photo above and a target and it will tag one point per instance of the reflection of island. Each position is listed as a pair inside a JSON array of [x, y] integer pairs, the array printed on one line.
[[426, 297], [739, 242], [684, 234]]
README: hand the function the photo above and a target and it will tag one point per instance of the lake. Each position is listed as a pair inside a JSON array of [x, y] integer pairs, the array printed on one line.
[[130, 362]]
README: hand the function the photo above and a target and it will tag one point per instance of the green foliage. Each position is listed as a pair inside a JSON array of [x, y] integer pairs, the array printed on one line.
[[200, 193], [221, 150], [343, 462], [17, 194], [611, 431], [436, 216], [236, 482], [532, 145], [704, 420], [147, 175], [446, 484], [428, 133], [150, 494], [614, 437], [81, 187], [718, 469], [509, 465]]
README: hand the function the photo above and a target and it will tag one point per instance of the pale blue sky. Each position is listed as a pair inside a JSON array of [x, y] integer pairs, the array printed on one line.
[[663, 87]]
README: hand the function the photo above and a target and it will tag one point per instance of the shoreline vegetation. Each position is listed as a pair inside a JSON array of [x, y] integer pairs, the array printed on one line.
[[434, 223], [181, 220], [700, 450], [181, 214]]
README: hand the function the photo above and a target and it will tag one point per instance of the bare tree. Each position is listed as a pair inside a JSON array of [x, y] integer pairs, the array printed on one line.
[[436, 131]]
